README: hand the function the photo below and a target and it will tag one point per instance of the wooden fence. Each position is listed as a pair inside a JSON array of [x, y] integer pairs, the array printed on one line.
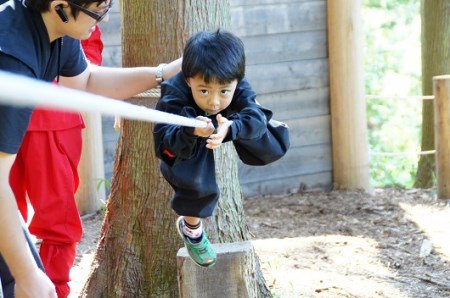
[[441, 91], [441, 100]]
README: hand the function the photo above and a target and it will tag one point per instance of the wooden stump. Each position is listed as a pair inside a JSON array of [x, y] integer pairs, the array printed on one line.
[[232, 276]]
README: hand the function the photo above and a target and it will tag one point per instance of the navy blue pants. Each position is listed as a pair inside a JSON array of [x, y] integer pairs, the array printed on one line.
[[194, 182]]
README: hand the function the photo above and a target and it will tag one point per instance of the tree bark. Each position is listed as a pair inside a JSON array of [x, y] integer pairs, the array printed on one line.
[[138, 240], [136, 255], [435, 61]]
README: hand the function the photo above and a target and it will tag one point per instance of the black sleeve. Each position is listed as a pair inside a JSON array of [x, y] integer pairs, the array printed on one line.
[[248, 116], [174, 142]]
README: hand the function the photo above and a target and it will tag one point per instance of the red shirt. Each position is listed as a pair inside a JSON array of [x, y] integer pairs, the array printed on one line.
[[47, 120]]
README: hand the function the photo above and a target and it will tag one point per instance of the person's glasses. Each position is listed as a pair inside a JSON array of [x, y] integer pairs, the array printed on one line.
[[97, 17]]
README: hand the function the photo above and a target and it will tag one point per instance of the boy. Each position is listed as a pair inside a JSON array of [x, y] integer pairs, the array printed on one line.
[[41, 39], [211, 88]]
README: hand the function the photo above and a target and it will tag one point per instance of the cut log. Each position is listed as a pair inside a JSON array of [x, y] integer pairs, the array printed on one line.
[[232, 276]]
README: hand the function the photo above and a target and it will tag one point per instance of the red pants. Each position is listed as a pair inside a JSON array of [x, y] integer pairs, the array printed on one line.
[[46, 170]]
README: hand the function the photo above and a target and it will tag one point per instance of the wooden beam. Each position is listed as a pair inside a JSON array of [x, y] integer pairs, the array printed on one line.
[[91, 168], [441, 90], [348, 106]]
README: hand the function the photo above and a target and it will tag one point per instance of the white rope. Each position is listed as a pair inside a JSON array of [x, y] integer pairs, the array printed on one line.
[[429, 152], [424, 97], [23, 91]]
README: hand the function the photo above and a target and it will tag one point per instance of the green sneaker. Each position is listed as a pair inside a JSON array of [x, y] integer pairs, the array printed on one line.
[[201, 253]]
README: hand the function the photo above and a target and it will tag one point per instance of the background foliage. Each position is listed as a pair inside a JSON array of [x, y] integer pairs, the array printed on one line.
[[392, 76]]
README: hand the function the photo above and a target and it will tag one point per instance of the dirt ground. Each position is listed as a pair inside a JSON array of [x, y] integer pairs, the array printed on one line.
[[388, 243]]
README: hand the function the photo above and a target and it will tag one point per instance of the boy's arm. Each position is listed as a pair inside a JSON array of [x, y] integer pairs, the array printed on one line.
[[249, 117], [174, 141], [30, 280]]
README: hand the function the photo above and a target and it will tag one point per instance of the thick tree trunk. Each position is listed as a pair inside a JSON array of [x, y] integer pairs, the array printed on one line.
[[138, 241], [435, 61], [136, 256], [228, 223]]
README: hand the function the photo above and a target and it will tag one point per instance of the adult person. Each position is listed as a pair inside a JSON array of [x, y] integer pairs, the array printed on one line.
[[41, 39], [46, 170]]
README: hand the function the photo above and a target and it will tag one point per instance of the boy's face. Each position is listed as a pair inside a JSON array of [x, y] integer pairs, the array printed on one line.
[[211, 97]]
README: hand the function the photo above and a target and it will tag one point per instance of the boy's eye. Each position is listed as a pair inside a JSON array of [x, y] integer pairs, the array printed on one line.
[[203, 91], [225, 92]]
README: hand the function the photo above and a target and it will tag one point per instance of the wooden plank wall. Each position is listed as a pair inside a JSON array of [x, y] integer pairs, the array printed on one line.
[[287, 65]]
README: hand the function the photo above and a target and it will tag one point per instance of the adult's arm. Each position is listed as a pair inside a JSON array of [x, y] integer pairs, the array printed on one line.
[[30, 280], [119, 83]]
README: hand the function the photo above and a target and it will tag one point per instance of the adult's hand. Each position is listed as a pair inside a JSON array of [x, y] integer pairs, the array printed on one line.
[[34, 285]]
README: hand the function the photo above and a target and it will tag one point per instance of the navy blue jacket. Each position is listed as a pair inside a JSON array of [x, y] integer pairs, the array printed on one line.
[[185, 161]]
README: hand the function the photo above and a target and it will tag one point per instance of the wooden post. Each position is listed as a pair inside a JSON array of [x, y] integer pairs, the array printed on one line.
[[441, 90], [348, 106], [91, 168], [232, 276]]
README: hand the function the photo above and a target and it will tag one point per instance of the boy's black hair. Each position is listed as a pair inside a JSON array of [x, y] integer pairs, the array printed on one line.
[[44, 5], [216, 55]]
